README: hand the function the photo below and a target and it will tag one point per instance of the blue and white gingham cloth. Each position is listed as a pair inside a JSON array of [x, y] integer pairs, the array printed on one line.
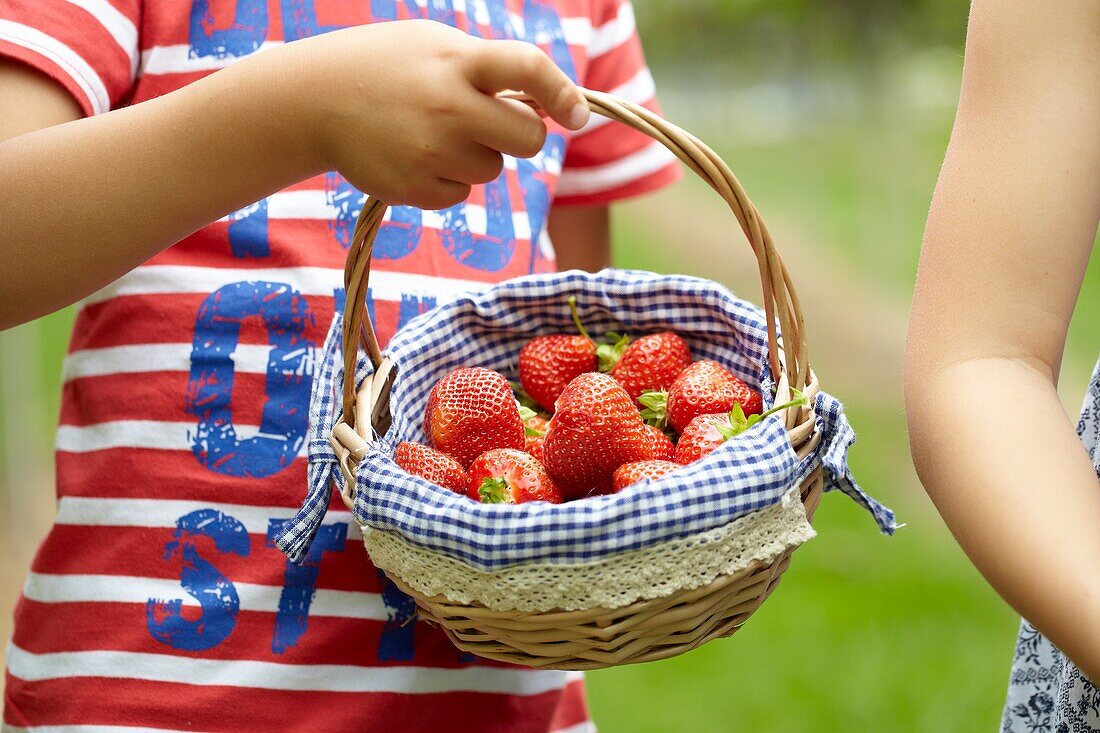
[[750, 472]]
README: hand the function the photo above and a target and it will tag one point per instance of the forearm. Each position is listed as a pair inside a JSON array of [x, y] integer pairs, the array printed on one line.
[[581, 236], [1001, 460], [84, 202]]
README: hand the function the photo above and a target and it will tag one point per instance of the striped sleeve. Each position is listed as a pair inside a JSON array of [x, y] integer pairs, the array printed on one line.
[[607, 162], [88, 46]]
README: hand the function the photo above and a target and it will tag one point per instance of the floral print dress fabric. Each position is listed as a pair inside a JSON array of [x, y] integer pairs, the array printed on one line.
[[1047, 693]]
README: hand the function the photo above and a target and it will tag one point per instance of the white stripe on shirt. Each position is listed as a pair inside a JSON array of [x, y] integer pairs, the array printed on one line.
[[625, 170], [85, 729], [275, 676], [49, 588], [586, 727], [72, 63], [161, 513], [639, 89], [315, 204], [613, 33], [318, 281], [140, 358], [121, 28], [151, 434]]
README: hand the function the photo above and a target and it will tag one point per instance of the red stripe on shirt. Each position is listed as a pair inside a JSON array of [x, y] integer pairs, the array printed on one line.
[[210, 707]]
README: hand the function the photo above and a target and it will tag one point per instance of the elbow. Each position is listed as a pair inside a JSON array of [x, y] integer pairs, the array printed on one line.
[[924, 393]]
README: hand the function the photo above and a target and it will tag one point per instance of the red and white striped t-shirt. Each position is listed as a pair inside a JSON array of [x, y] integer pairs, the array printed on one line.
[[158, 600]]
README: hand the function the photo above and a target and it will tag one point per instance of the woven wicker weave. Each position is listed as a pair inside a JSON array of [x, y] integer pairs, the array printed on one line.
[[646, 630]]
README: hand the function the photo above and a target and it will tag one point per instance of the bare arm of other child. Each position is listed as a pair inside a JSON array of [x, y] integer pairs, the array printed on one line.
[[1008, 238], [84, 202]]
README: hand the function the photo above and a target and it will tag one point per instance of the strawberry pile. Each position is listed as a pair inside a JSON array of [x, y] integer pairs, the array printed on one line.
[[586, 419]]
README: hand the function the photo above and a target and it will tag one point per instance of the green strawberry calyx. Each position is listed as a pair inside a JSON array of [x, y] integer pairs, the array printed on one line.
[[608, 354], [494, 490], [739, 422], [525, 414], [654, 408]]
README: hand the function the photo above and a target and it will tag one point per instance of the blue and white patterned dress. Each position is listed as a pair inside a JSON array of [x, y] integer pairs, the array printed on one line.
[[1046, 691]]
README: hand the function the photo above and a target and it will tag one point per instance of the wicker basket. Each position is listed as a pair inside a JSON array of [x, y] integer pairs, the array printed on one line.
[[645, 630]]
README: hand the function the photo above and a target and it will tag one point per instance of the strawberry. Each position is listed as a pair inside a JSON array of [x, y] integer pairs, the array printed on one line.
[[437, 467], [704, 388], [548, 363], [652, 363], [534, 431], [470, 411], [507, 476], [701, 436], [660, 446], [706, 432], [595, 430], [631, 473]]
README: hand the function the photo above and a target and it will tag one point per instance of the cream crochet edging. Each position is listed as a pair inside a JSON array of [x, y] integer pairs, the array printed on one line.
[[613, 582]]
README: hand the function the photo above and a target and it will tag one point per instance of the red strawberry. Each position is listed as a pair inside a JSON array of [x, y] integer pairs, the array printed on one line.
[[534, 431], [631, 473], [595, 430], [706, 432], [470, 411], [707, 387], [652, 363], [507, 476], [437, 467], [700, 437], [660, 446], [548, 363]]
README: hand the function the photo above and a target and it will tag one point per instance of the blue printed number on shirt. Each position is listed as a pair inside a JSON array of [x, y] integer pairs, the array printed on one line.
[[216, 595], [490, 251], [410, 305], [249, 28], [542, 25], [248, 231], [300, 20], [536, 196], [244, 36], [396, 641], [300, 582], [397, 237], [282, 429]]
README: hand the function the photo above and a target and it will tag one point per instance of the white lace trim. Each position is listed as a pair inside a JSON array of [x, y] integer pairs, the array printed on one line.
[[619, 580]]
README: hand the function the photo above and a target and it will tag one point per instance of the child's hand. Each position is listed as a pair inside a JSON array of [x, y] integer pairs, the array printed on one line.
[[405, 110]]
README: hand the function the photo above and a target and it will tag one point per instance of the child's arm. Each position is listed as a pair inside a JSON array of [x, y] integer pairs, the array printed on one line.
[[1008, 238], [581, 236], [402, 110]]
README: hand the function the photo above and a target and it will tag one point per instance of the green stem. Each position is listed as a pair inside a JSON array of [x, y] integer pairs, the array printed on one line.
[[576, 318], [798, 402]]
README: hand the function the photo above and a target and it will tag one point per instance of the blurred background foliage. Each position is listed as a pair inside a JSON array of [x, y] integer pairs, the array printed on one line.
[[835, 116]]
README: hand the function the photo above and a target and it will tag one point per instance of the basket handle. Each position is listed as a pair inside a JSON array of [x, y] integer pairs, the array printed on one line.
[[781, 304]]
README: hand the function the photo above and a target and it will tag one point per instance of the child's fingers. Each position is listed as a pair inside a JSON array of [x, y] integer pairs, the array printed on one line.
[[440, 193], [472, 164], [511, 127], [500, 65]]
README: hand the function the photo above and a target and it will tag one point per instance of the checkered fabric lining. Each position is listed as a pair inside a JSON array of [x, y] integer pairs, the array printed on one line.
[[487, 329]]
